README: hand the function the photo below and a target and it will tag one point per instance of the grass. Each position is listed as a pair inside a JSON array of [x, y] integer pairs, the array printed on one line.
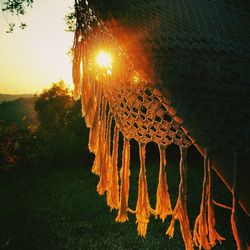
[[46, 209]]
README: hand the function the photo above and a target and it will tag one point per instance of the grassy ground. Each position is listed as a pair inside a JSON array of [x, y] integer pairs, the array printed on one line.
[[60, 209]]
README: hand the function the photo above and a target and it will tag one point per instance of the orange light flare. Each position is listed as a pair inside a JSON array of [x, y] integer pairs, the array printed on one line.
[[135, 78], [136, 48], [104, 61]]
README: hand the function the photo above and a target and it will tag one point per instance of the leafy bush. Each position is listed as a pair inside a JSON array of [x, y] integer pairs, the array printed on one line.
[[58, 138], [61, 137]]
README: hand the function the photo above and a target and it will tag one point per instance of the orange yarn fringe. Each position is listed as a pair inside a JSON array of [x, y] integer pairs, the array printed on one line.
[[94, 129], [100, 147], [105, 155], [163, 204], [180, 212], [85, 84], [142, 207], [113, 187], [76, 64], [205, 234], [124, 188]]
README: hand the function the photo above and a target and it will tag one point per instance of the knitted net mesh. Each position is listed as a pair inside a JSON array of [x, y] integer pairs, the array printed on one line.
[[142, 110]]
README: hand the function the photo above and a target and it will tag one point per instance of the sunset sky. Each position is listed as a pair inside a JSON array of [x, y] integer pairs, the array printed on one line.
[[32, 59]]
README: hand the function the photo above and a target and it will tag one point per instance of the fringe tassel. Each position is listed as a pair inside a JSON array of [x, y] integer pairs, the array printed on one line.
[[76, 73], [235, 223], [163, 204], [94, 130], [142, 207], [91, 105], [84, 72], [100, 147], [113, 188], [105, 164], [205, 234], [124, 189], [180, 212]]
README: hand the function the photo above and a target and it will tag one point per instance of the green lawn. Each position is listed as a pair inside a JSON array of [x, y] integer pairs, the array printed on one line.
[[60, 209]]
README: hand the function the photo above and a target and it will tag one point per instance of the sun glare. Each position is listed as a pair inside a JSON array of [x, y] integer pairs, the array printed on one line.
[[104, 60]]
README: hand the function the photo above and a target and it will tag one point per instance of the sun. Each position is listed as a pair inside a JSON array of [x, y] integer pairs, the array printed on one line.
[[104, 59]]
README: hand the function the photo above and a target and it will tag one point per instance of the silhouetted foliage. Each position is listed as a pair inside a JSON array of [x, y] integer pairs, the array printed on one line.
[[57, 135], [19, 8], [20, 112], [52, 107], [61, 137], [7, 144], [15, 145], [16, 6]]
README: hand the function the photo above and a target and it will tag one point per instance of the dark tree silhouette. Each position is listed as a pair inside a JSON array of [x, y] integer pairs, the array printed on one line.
[[20, 8], [61, 138], [16, 7]]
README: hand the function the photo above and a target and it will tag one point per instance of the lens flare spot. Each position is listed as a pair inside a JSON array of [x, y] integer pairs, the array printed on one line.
[[104, 59]]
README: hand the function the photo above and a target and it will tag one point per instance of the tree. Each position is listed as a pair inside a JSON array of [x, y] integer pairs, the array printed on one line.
[[61, 138], [15, 145], [8, 144], [16, 7], [20, 7], [53, 105]]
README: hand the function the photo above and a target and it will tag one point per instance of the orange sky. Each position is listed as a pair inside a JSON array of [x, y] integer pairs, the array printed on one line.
[[32, 59]]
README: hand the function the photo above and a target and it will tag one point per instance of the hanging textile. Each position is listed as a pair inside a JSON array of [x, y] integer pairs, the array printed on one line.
[[113, 91]]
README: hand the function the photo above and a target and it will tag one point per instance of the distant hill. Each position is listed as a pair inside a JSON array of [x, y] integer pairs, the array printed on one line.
[[20, 112], [6, 98]]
